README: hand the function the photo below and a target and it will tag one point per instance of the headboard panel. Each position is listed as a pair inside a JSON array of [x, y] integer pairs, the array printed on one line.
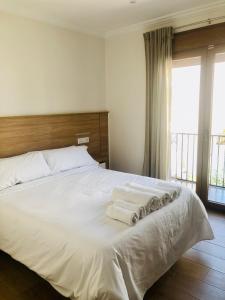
[[21, 134]]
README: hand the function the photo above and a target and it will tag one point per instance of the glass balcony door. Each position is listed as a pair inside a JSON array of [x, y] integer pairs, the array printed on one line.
[[216, 179], [198, 123], [186, 77]]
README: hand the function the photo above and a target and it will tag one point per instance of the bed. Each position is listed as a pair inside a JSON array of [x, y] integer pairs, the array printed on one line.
[[57, 226]]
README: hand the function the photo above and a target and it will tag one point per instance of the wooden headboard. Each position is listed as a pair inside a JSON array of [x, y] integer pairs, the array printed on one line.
[[22, 134]]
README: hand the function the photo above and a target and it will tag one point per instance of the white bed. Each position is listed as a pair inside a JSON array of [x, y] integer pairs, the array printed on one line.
[[57, 227]]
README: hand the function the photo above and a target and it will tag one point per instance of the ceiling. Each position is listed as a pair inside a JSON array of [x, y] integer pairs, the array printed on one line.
[[98, 16]]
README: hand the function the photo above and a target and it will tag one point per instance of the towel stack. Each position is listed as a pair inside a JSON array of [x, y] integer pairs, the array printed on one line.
[[134, 201]]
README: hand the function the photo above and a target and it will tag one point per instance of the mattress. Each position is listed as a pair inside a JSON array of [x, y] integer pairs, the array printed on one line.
[[57, 227]]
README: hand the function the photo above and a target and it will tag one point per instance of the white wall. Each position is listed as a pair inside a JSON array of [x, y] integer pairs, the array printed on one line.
[[125, 93], [45, 69]]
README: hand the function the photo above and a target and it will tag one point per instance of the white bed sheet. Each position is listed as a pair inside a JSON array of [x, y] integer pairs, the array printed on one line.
[[57, 227]]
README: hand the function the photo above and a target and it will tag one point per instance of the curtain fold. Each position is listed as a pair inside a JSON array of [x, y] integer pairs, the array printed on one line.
[[158, 52]]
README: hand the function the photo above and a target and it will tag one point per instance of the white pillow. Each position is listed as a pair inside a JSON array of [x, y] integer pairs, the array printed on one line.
[[22, 168], [68, 158]]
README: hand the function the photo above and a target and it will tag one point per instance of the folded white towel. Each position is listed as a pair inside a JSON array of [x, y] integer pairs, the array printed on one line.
[[150, 201], [162, 194], [122, 214], [171, 188], [140, 210]]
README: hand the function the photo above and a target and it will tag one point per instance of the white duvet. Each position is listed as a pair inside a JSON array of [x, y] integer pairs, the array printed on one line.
[[57, 226]]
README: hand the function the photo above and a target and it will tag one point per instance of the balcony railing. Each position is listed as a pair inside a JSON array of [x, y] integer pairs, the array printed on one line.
[[184, 158]]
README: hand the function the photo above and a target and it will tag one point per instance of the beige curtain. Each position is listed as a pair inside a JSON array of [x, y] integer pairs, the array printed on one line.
[[158, 51]]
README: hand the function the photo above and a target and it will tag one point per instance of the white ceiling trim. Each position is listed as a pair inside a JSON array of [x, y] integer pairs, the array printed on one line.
[[177, 19]]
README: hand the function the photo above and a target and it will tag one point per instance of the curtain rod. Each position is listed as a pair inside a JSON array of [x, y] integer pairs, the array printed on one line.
[[209, 21]]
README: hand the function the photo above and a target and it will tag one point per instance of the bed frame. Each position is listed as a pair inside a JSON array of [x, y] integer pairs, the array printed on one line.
[[21, 134]]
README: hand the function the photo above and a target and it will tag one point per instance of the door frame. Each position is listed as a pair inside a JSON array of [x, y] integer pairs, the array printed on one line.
[[205, 125], [207, 55]]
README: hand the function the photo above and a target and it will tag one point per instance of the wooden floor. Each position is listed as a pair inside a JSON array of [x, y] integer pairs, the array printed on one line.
[[199, 274]]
